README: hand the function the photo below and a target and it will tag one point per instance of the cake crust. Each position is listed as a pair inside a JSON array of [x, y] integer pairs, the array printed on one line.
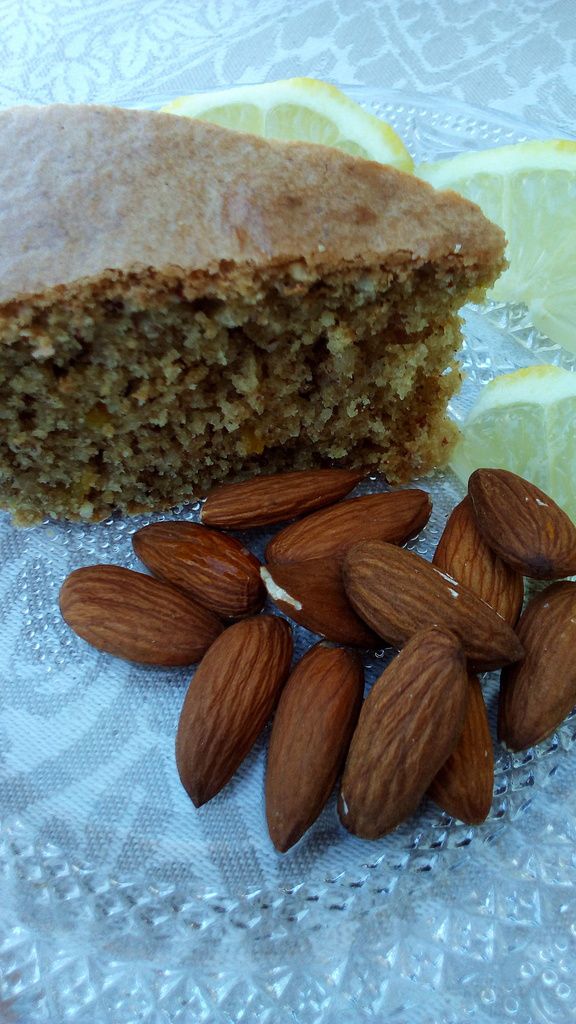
[[86, 190]]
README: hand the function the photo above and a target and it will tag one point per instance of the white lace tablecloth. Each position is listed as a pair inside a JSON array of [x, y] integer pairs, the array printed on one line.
[[115, 906], [517, 56]]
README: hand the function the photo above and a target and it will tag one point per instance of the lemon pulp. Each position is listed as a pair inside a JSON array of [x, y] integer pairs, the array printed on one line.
[[525, 422], [304, 109], [529, 189]]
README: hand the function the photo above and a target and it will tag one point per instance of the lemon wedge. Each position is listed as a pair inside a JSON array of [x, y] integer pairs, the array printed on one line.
[[299, 108], [529, 189], [525, 422]]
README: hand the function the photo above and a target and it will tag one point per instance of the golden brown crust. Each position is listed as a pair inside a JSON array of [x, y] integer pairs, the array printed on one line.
[[89, 190]]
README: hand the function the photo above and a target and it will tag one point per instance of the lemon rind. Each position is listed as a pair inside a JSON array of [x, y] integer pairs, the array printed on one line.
[[547, 154]]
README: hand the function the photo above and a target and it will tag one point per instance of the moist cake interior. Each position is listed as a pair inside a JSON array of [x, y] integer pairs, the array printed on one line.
[[151, 392]]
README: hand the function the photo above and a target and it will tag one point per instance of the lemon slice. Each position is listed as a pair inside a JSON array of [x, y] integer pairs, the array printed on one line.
[[529, 189], [299, 108], [525, 422]]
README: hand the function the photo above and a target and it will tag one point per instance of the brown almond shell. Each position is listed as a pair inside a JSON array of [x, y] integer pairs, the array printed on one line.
[[398, 593], [264, 500], [537, 694], [312, 729], [136, 617], [464, 786], [314, 597], [230, 698], [408, 727], [213, 568], [464, 554], [393, 516], [523, 525]]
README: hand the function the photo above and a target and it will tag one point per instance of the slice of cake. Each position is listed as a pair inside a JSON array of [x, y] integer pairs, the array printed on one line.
[[180, 304]]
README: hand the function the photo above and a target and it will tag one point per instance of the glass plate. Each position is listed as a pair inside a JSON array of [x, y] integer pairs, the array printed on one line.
[[122, 903]]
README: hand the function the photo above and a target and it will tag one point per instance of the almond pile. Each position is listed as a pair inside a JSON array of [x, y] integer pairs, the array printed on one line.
[[341, 572]]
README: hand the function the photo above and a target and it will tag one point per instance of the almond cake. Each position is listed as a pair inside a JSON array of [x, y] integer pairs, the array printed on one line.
[[181, 303]]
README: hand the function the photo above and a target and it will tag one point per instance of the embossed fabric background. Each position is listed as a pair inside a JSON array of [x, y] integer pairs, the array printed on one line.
[[118, 903], [517, 56]]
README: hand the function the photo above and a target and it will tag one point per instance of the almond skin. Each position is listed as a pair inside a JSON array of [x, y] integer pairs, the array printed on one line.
[[394, 516], [536, 695], [523, 525], [229, 701], [270, 499], [408, 727], [463, 553], [311, 733], [312, 594], [465, 783], [398, 593], [136, 617], [209, 566]]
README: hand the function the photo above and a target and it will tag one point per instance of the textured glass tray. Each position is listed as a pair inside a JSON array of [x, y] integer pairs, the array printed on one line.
[[122, 903]]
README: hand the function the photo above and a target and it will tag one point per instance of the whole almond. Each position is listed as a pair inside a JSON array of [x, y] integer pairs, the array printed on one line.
[[523, 525], [394, 516], [408, 726], [398, 593], [464, 554], [230, 699], [312, 594], [465, 783], [311, 733], [536, 695], [264, 500], [213, 568], [136, 617]]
